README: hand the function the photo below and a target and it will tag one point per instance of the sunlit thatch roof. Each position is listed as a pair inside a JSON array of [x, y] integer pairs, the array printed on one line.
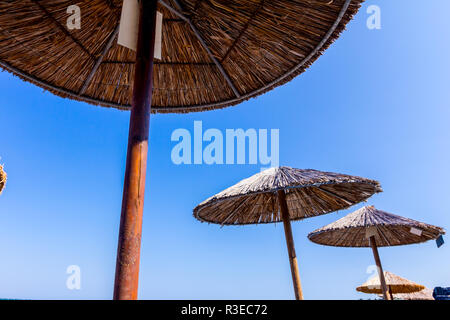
[[395, 283], [309, 193], [388, 229], [254, 46]]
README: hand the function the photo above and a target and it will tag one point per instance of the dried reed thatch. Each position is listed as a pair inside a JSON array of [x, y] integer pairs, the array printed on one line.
[[309, 193], [395, 283], [216, 53], [2, 179], [388, 229]]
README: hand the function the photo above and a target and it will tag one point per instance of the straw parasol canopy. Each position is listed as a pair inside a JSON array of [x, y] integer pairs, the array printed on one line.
[[215, 53], [425, 294], [285, 194], [309, 193], [2, 179], [396, 284], [388, 229], [369, 227]]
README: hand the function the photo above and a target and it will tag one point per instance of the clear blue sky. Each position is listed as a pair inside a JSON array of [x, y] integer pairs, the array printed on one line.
[[376, 104]]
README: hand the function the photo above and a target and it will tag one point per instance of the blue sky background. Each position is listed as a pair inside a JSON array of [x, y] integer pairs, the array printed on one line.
[[376, 104]]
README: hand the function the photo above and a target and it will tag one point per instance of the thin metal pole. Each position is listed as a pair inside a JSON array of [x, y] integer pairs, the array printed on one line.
[[128, 251], [384, 288], [290, 245]]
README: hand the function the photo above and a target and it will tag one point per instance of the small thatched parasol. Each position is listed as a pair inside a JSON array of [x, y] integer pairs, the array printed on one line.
[[213, 54], [395, 284], [369, 227], [425, 294], [285, 194], [2, 179]]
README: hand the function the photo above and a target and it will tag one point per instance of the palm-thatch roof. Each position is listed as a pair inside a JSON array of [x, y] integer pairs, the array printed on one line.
[[395, 283], [354, 229], [214, 53], [425, 294], [2, 179], [309, 193]]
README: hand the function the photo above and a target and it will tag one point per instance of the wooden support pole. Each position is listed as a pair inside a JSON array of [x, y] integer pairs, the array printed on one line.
[[390, 293], [290, 245], [384, 288], [128, 251]]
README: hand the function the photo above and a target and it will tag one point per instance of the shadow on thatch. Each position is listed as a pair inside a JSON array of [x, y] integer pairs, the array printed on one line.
[[215, 53]]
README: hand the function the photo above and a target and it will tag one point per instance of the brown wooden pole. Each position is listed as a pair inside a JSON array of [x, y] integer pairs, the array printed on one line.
[[290, 245], [390, 293], [128, 251], [384, 288]]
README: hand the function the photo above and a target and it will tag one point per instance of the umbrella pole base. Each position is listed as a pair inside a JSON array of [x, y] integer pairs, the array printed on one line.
[[290, 245], [128, 251]]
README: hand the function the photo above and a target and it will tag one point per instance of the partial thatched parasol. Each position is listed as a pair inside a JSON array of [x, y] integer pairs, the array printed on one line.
[[425, 294], [2, 179], [213, 54], [395, 284], [369, 227], [285, 194]]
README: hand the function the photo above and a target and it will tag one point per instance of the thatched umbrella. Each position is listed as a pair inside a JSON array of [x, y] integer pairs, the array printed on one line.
[[2, 179], [394, 283], [285, 194], [425, 294], [369, 227], [213, 54]]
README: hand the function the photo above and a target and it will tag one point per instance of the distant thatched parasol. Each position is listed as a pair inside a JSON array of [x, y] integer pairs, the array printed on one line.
[[285, 194], [395, 284], [369, 227], [213, 54], [2, 179]]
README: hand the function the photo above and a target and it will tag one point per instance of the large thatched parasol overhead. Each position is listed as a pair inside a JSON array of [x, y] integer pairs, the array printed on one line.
[[285, 194], [2, 179], [369, 227], [213, 54]]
